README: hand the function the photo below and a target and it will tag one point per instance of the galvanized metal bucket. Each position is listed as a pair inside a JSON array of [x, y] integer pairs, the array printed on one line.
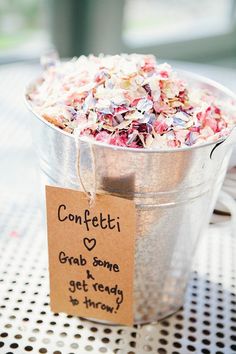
[[174, 192]]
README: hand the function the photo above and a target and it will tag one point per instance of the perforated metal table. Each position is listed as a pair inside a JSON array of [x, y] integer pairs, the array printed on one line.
[[207, 322]]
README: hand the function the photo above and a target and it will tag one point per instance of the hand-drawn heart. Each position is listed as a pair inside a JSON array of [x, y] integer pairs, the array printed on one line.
[[89, 243]]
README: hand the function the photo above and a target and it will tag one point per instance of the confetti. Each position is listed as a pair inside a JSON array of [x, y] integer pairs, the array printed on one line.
[[130, 101]]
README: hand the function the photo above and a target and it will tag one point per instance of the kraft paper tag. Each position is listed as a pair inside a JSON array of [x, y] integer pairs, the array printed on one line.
[[91, 255]]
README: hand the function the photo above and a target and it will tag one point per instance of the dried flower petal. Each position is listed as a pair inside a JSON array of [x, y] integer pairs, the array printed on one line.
[[129, 100]]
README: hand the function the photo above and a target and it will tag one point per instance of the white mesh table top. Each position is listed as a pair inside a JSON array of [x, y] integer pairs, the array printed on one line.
[[206, 324]]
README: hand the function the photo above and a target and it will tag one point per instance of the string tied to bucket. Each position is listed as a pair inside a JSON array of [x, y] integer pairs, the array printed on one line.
[[85, 168]]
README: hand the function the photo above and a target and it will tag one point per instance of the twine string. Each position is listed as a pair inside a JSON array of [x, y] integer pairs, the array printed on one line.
[[90, 194]]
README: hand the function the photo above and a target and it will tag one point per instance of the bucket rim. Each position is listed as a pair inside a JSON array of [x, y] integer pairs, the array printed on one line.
[[188, 74]]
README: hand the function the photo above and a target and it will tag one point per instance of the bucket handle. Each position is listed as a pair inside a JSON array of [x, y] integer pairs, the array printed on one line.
[[226, 199], [228, 142], [229, 202]]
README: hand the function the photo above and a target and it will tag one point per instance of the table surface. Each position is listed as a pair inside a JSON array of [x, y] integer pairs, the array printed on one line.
[[207, 322]]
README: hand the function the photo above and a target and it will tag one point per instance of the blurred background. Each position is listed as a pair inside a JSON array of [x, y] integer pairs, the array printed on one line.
[[202, 31]]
